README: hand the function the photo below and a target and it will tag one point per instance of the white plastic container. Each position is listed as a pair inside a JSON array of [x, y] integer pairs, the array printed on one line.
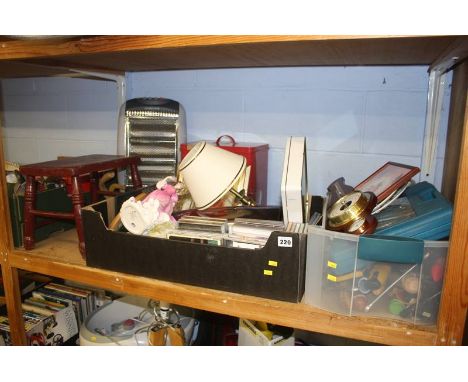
[[97, 330]]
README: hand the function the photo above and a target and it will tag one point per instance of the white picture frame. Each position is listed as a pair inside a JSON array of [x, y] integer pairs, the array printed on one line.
[[294, 187]]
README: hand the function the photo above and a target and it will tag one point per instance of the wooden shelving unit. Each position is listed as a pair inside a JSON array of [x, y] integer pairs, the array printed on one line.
[[59, 256]]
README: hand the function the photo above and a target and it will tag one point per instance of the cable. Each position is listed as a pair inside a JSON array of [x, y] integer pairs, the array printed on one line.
[[390, 199]]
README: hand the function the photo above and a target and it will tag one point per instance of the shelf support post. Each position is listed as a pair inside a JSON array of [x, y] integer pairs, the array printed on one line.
[[435, 97], [453, 307], [13, 302], [455, 130], [9, 274]]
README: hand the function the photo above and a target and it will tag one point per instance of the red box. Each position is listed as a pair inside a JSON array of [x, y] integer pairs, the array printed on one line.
[[257, 157]]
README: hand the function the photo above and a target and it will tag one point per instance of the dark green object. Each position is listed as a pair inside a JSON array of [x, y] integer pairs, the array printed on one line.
[[15, 218], [54, 199]]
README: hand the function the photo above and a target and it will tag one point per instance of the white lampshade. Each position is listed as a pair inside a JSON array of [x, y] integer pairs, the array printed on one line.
[[209, 173]]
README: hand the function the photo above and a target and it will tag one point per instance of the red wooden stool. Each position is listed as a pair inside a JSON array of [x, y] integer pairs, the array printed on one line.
[[72, 168]]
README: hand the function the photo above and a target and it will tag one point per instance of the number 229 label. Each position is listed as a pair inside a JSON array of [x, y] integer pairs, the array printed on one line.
[[285, 241]]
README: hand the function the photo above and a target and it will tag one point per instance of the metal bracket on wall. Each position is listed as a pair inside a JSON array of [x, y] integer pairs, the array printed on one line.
[[435, 96], [120, 80]]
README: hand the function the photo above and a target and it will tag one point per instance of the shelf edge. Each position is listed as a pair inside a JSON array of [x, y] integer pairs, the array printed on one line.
[[299, 316]]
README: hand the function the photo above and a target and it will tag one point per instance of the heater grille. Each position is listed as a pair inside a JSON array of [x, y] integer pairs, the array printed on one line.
[[153, 131]]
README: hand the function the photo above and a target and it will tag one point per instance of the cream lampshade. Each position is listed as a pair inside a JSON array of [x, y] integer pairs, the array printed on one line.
[[210, 172]]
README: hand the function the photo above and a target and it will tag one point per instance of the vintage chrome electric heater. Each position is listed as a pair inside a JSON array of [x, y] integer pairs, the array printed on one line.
[[152, 128]]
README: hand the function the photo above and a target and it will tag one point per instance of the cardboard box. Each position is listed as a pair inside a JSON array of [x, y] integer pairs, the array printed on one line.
[[250, 335], [273, 271]]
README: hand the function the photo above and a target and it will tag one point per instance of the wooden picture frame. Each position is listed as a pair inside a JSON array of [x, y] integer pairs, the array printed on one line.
[[388, 178]]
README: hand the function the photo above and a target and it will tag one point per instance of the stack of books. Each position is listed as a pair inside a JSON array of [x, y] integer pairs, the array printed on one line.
[[52, 314]]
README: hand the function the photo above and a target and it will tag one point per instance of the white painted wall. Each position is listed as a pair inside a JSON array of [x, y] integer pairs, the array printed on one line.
[[355, 118], [48, 117]]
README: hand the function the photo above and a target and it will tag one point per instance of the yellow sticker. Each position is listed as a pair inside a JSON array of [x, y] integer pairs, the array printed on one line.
[[331, 264], [272, 263], [267, 272], [331, 278]]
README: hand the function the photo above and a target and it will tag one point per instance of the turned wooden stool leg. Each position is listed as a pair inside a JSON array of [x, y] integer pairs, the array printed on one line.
[[78, 203], [29, 218], [94, 185], [136, 180]]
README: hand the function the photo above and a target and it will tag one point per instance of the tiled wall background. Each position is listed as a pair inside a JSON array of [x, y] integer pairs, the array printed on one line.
[[355, 118], [48, 117]]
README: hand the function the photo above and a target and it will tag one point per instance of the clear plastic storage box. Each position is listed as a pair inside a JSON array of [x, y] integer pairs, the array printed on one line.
[[379, 276]]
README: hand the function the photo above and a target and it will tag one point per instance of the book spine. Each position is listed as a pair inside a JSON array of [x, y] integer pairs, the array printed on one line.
[[76, 301], [83, 302]]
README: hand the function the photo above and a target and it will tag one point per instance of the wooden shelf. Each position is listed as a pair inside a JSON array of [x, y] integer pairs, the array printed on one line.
[[59, 256], [144, 53]]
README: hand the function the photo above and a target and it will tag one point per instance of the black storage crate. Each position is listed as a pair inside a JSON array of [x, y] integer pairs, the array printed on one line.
[[272, 272]]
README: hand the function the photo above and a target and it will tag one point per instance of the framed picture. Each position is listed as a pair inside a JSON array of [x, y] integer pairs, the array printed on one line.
[[387, 179]]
